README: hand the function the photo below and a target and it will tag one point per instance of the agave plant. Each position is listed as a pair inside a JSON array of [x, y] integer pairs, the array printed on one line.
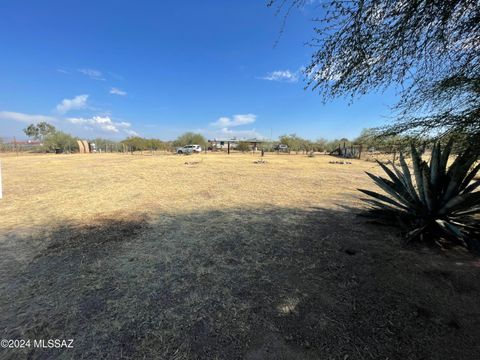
[[437, 204]]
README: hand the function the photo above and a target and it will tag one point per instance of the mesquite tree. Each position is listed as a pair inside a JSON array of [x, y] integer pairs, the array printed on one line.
[[428, 49]]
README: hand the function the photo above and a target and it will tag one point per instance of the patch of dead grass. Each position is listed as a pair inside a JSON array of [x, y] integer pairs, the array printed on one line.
[[49, 189]]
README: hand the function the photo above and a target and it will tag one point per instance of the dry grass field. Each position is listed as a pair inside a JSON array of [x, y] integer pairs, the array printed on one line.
[[216, 257], [46, 189]]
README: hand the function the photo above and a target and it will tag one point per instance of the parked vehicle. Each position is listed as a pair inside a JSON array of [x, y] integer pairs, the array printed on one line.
[[281, 147], [189, 149]]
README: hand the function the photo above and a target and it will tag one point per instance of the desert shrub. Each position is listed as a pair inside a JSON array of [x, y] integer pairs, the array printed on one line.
[[60, 140], [190, 138], [243, 146], [436, 204], [106, 145], [135, 143]]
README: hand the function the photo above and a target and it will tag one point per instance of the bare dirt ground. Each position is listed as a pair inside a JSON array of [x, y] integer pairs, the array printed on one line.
[[146, 257]]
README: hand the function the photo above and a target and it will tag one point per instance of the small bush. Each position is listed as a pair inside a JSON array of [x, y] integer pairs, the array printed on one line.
[[243, 146]]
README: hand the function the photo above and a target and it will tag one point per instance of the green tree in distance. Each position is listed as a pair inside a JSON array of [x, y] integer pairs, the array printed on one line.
[[190, 138], [137, 143], [39, 131], [60, 140]]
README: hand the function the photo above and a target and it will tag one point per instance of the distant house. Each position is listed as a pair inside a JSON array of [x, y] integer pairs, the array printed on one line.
[[24, 144], [255, 144], [225, 144], [221, 144]]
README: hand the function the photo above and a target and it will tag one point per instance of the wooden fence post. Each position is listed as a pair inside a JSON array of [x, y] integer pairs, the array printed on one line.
[[15, 145]]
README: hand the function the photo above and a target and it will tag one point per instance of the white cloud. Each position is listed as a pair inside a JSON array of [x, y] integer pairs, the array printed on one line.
[[281, 75], [104, 123], [124, 124], [223, 128], [117, 91], [78, 121], [242, 134], [25, 118], [131, 132], [237, 120], [78, 102], [92, 74]]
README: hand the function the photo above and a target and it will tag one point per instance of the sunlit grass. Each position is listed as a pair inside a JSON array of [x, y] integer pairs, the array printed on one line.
[[44, 189]]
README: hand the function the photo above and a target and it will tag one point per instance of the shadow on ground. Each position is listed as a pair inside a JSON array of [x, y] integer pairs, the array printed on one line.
[[271, 284]]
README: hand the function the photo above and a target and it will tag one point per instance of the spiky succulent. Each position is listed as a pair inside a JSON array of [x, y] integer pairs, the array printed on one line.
[[438, 203]]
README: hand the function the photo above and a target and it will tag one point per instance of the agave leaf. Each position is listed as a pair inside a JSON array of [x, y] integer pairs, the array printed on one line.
[[469, 177], [450, 228], [473, 211], [417, 170], [391, 175], [383, 181], [460, 159], [383, 198], [400, 185], [399, 174], [408, 178], [435, 166], [445, 155], [406, 189], [471, 187], [390, 188], [464, 225], [427, 190], [457, 173], [461, 202], [471, 200]]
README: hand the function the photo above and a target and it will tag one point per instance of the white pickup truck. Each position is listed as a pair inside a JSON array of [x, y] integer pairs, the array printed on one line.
[[189, 149]]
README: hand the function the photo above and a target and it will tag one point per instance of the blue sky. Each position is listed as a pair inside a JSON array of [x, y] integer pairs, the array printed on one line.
[[160, 68]]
